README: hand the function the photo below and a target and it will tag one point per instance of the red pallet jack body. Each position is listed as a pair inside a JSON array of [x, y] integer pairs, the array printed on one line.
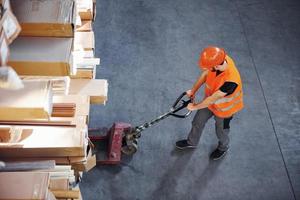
[[113, 140]]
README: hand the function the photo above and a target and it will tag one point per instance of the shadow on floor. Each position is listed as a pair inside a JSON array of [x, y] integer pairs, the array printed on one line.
[[170, 186]]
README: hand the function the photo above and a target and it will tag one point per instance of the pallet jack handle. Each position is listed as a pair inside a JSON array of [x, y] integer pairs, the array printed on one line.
[[130, 138], [177, 107]]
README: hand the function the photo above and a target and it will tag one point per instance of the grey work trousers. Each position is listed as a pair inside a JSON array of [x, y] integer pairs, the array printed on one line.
[[221, 125]]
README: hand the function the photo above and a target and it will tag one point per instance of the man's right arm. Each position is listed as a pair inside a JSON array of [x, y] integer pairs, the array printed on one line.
[[201, 79]]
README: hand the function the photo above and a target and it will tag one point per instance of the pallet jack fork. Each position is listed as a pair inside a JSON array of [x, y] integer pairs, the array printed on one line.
[[113, 140], [122, 138]]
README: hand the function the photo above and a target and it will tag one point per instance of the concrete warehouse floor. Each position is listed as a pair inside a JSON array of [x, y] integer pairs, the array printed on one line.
[[149, 51]]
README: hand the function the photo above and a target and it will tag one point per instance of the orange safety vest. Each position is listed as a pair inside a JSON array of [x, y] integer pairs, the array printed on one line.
[[230, 104]]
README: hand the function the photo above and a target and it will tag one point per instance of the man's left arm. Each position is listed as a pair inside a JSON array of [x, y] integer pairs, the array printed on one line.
[[226, 89], [207, 101]]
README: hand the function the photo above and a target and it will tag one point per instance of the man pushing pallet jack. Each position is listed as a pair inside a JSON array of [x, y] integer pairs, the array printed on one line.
[[223, 98]]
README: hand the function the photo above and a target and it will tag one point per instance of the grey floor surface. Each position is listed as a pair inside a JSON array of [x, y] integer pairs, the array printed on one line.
[[149, 51]]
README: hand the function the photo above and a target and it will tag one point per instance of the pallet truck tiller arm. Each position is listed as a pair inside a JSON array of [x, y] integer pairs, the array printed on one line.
[[130, 137]]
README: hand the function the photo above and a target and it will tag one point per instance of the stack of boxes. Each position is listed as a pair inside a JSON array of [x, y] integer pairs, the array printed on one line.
[[53, 28], [9, 30], [44, 144]]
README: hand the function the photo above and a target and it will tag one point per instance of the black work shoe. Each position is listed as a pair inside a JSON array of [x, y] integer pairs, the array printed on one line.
[[183, 144], [217, 154]]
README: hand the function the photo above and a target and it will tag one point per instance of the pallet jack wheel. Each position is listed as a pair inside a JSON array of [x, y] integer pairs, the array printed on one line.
[[130, 149]]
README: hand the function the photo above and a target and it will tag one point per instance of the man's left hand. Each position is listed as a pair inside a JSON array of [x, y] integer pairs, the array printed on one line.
[[191, 107]]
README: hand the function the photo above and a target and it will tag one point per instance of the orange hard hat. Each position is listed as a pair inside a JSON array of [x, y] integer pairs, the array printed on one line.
[[211, 56]]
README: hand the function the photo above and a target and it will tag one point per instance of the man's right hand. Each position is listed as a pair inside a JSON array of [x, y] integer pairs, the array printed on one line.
[[190, 94]]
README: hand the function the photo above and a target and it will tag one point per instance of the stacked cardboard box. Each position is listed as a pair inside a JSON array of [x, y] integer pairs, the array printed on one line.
[[45, 123], [47, 181], [55, 18], [33, 101], [9, 30], [84, 39], [60, 27]]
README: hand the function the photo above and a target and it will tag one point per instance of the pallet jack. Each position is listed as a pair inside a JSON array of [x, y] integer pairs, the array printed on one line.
[[123, 138]]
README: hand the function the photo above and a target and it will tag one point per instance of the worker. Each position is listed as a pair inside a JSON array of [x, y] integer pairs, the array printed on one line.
[[223, 98]]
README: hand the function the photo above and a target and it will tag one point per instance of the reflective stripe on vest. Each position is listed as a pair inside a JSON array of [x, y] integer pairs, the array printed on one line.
[[229, 107], [227, 99], [207, 86]]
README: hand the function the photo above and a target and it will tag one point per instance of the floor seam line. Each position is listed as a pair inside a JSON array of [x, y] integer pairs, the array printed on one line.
[[265, 100]]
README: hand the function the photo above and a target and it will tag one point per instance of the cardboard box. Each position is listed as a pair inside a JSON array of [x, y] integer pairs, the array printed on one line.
[[88, 63], [82, 102], [12, 135], [86, 69], [88, 54], [95, 88], [85, 40], [42, 56], [46, 141], [87, 164], [24, 185], [31, 102], [78, 118], [52, 18], [85, 9], [60, 84], [84, 74], [59, 184]]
